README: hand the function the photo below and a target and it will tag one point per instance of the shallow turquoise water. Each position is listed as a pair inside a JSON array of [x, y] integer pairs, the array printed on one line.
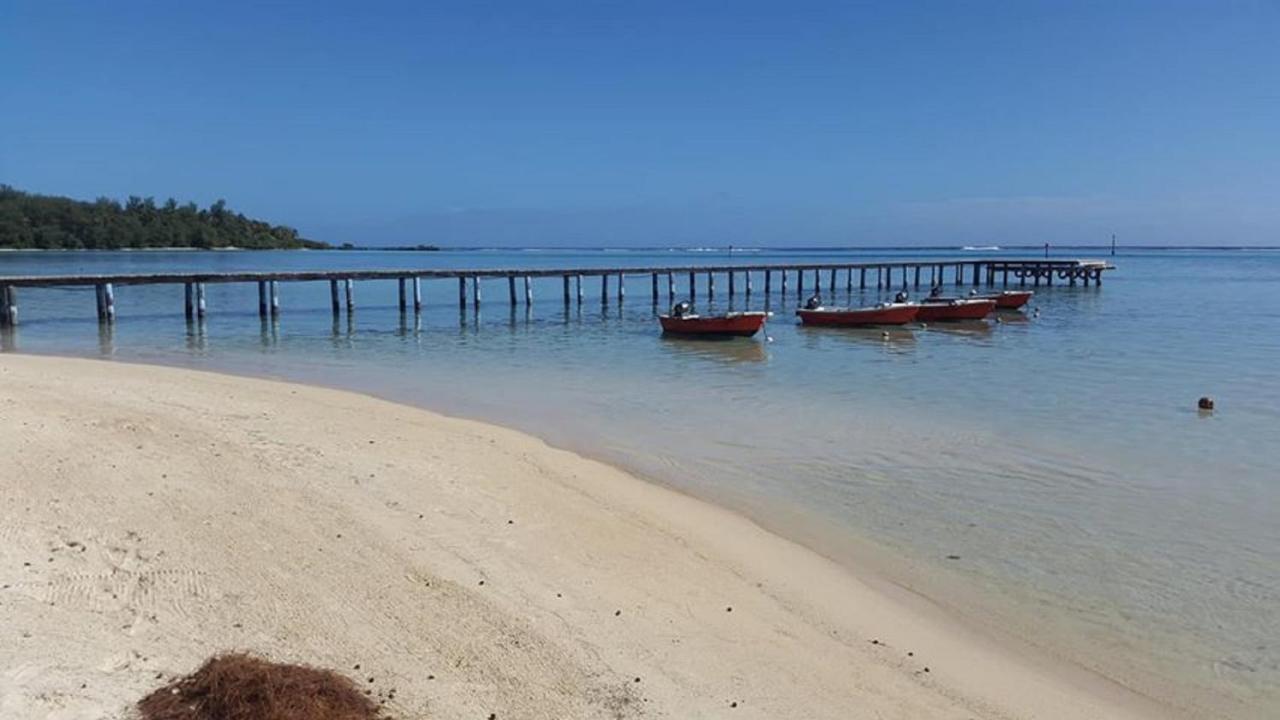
[[1060, 456]]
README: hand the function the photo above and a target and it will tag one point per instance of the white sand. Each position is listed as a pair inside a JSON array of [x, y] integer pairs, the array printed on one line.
[[150, 517]]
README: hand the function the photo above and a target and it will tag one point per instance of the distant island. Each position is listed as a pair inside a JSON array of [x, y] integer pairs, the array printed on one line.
[[47, 222]]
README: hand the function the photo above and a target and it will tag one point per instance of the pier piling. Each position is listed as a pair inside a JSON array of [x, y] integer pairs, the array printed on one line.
[[333, 298], [275, 298], [8, 306], [475, 291], [349, 287], [201, 305], [417, 296], [565, 278], [189, 301], [511, 289], [528, 292], [262, 298]]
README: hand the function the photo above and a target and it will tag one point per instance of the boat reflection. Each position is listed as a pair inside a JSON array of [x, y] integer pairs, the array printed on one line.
[[897, 338], [975, 329], [725, 350]]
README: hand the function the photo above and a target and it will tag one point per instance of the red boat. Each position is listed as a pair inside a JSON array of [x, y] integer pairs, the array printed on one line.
[[882, 314], [1009, 299], [734, 324], [935, 309]]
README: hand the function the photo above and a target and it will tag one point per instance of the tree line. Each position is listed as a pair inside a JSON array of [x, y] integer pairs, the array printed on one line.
[[33, 221]]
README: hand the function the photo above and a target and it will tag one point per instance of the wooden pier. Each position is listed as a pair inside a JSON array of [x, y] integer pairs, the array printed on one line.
[[894, 275]]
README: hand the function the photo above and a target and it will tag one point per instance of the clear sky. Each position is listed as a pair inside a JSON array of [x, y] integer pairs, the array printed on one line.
[[662, 123]]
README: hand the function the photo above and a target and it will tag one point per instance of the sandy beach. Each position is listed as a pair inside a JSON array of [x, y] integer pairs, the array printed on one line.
[[152, 516]]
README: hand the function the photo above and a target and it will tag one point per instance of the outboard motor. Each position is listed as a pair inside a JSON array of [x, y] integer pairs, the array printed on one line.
[[681, 309], [813, 303], [901, 297]]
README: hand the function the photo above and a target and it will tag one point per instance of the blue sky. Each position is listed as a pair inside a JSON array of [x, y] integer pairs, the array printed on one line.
[[656, 123]]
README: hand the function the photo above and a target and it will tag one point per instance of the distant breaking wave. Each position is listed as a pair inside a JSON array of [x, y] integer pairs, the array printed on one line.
[[971, 248]]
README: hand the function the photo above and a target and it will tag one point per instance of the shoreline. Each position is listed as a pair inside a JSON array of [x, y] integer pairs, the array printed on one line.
[[683, 558]]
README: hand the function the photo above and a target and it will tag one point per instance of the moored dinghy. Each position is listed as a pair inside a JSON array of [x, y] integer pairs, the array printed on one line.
[[1009, 299], [936, 309], [682, 321], [898, 312]]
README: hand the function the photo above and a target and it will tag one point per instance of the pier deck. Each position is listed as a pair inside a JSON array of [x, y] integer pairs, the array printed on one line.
[[884, 275]]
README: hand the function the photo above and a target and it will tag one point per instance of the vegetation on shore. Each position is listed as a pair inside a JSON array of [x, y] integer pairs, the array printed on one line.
[[29, 221]]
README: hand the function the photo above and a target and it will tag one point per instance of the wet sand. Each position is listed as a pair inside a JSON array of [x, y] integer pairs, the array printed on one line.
[[152, 516]]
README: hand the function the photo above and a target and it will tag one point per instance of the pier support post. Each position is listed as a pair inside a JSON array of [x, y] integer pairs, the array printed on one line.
[[671, 287], [904, 277], [8, 306], [976, 269], [475, 291], [604, 289], [201, 305], [528, 292], [566, 290], [959, 274], [349, 287], [784, 282], [511, 289], [655, 288], [768, 282], [622, 287], [262, 298], [831, 285], [417, 296], [274, 289], [800, 283], [732, 288], [991, 279], [693, 286], [404, 297], [879, 278], [711, 286], [917, 277], [578, 287], [189, 301], [333, 298], [747, 275], [862, 279], [848, 280], [462, 293]]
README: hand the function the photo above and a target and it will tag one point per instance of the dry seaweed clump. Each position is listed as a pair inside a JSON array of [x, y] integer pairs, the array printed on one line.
[[243, 687]]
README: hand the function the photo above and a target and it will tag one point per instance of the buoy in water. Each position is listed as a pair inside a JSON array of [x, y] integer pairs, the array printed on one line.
[[1206, 403]]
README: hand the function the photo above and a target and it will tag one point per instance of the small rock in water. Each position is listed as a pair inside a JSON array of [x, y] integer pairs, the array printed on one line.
[[1206, 403]]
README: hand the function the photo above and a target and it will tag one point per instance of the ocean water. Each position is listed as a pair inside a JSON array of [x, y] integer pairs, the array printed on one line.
[[1048, 475]]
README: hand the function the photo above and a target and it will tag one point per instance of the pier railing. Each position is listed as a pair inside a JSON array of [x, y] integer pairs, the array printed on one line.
[[739, 279]]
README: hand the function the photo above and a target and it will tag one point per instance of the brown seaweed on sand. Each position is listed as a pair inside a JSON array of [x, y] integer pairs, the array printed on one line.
[[236, 686]]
